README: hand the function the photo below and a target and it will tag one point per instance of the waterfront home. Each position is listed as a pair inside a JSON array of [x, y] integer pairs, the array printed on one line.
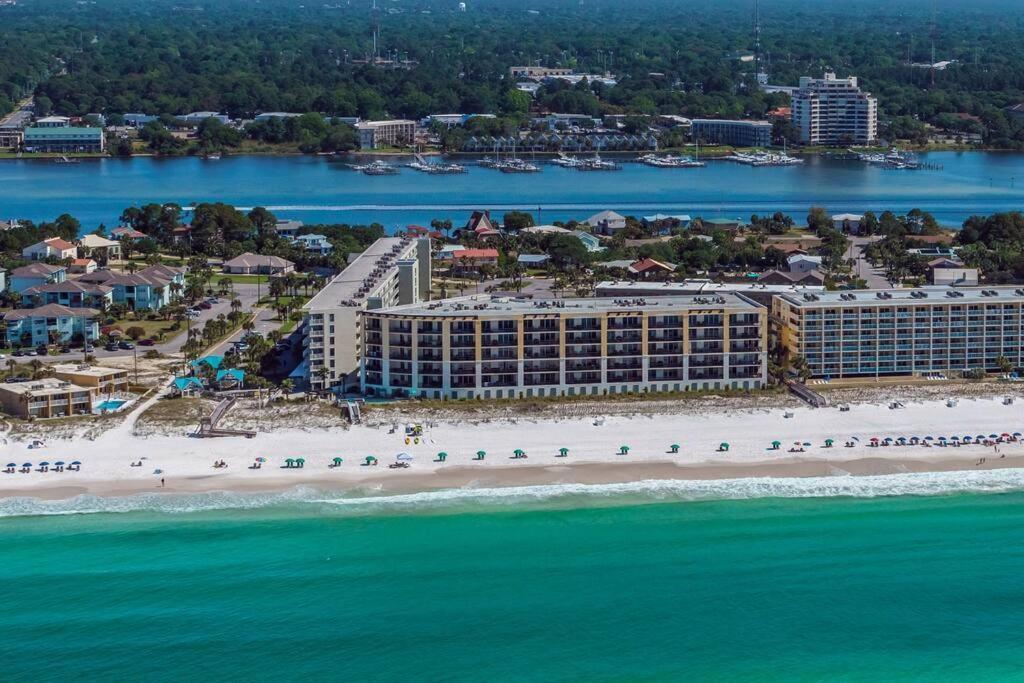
[[51, 323], [51, 248], [70, 293], [480, 225], [103, 380], [847, 222], [252, 264], [471, 261], [545, 230], [82, 266], [287, 228], [35, 274], [446, 251], [315, 244], [45, 397], [607, 223], [723, 223], [663, 224], [125, 233], [99, 248]]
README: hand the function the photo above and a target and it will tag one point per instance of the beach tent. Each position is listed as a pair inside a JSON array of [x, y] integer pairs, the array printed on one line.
[[723, 447], [370, 460]]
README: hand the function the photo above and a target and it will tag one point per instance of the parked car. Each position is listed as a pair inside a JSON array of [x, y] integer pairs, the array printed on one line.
[[88, 348], [126, 345], [19, 352], [111, 346], [205, 306], [41, 350], [147, 342], [65, 349]]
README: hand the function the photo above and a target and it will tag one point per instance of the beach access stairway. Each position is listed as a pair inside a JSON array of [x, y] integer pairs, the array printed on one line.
[[811, 397], [208, 426], [355, 414]]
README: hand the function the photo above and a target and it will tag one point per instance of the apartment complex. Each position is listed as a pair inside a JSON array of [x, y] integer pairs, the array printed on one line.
[[46, 397], [493, 347], [726, 132], [902, 331], [64, 139], [100, 379], [375, 134], [392, 272], [834, 110]]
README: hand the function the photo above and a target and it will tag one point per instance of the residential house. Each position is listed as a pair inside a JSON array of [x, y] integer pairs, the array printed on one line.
[[252, 264], [607, 223], [949, 272], [664, 224], [651, 268], [181, 234], [480, 225], [35, 274], [70, 293], [149, 289], [51, 248], [811, 278], [82, 266], [471, 261], [315, 244], [445, 252], [288, 228], [99, 248], [723, 223], [51, 323], [533, 260], [45, 397], [847, 222], [124, 232], [803, 263], [102, 380]]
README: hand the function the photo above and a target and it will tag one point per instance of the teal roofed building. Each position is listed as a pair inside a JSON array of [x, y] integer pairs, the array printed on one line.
[[232, 378], [64, 139]]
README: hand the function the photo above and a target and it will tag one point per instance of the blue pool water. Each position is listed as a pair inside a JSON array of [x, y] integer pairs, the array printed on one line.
[[110, 404]]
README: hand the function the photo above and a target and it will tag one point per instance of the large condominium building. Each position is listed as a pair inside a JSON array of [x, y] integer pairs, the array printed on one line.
[[375, 134], [902, 331], [393, 271], [726, 132], [834, 110], [491, 347]]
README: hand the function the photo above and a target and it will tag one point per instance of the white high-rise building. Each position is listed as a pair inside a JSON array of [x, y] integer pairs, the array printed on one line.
[[834, 110]]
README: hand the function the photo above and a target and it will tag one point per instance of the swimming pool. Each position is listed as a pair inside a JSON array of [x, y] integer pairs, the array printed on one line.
[[110, 405]]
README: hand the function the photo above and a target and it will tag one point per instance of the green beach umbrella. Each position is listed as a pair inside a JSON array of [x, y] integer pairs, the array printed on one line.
[[519, 452], [776, 444], [723, 446], [337, 461], [623, 450], [480, 455], [370, 460], [300, 462], [675, 448], [829, 442], [442, 456], [562, 452], [289, 462]]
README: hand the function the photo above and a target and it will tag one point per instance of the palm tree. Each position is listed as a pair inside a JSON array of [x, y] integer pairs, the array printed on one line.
[[236, 305], [11, 365]]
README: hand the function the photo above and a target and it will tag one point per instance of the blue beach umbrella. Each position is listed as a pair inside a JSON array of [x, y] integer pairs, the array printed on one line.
[[76, 463], [28, 464], [403, 456], [11, 464]]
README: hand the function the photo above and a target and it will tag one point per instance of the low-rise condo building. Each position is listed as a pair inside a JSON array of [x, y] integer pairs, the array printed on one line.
[[46, 397], [376, 134], [902, 331], [103, 380], [391, 272], [727, 132], [493, 347]]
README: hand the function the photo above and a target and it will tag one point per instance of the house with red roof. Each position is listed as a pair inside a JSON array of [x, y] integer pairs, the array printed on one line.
[[53, 247], [470, 261], [648, 267]]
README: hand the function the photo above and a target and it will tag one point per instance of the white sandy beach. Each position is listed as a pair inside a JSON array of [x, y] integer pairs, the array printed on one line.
[[186, 463]]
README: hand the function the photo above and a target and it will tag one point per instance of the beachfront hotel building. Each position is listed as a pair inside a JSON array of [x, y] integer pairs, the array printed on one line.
[[872, 333], [45, 397], [393, 271], [377, 134], [830, 110], [484, 347]]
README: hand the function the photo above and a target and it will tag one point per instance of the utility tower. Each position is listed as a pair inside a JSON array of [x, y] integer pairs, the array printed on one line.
[[375, 26], [757, 38], [934, 32]]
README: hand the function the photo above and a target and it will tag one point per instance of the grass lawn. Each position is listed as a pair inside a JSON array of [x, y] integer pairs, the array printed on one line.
[[153, 328], [298, 300], [242, 279]]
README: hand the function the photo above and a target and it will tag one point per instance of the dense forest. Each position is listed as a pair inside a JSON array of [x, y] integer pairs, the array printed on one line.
[[670, 56]]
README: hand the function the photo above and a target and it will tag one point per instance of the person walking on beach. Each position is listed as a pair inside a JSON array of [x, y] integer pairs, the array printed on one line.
[[161, 482]]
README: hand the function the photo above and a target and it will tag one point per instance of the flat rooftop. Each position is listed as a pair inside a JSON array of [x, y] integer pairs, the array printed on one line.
[[703, 287], [487, 306], [41, 387], [920, 295], [87, 370], [344, 290]]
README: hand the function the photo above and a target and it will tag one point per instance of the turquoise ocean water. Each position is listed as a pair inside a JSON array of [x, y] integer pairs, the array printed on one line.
[[575, 587]]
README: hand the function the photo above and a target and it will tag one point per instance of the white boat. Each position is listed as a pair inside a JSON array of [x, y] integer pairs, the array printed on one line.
[[376, 168], [66, 160]]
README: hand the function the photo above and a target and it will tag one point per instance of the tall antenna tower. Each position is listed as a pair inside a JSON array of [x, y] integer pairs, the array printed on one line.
[[934, 31], [757, 38], [375, 25]]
